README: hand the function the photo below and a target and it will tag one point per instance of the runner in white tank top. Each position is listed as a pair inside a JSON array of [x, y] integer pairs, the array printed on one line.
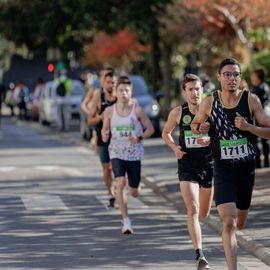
[[128, 125], [122, 127]]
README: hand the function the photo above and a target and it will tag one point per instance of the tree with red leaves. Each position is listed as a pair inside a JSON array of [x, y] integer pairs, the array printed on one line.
[[119, 50]]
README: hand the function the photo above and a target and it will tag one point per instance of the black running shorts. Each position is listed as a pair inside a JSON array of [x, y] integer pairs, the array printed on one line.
[[234, 183], [190, 171], [132, 168]]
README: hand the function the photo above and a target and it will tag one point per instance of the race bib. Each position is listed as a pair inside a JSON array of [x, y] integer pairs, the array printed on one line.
[[191, 139], [234, 149], [125, 131]]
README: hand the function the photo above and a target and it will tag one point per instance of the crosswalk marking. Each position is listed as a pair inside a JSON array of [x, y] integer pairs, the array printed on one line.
[[7, 168], [43, 202], [47, 168]]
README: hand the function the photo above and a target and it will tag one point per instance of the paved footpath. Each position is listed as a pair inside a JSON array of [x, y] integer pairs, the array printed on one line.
[[160, 173]]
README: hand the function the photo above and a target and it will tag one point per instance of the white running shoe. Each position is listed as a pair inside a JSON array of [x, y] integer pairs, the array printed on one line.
[[202, 263], [127, 228]]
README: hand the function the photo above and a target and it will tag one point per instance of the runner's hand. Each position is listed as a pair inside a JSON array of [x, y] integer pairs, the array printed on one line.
[[178, 152], [133, 139], [204, 127], [240, 122], [203, 140], [105, 136]]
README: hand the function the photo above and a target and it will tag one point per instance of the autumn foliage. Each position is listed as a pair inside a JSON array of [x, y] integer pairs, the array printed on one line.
[[119, 49]]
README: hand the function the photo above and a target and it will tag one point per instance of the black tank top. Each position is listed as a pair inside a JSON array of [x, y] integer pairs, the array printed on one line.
[[196, 154], [228, 143], [104, 103]]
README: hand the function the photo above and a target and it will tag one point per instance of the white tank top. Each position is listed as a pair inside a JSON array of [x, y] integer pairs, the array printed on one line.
[[122, 127]]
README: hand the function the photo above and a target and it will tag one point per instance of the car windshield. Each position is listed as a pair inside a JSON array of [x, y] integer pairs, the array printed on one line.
[[139, 86], [77, 90]]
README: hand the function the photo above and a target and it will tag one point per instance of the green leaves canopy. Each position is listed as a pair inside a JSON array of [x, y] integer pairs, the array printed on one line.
[[68, 23]]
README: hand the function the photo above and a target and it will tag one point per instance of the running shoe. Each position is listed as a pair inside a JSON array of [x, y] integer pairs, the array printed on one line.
[[202, 263], [111, 202], [127, 228]]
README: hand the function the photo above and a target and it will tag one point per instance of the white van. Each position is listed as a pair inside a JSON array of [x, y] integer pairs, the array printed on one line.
[[48, 101]]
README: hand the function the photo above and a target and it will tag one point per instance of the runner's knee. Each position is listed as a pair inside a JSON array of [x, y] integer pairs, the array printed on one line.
[[229, 223], [192, 210], [134, 192]]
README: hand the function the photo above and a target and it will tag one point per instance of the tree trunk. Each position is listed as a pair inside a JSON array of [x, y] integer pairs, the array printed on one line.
[[167, 78], [156, 73]]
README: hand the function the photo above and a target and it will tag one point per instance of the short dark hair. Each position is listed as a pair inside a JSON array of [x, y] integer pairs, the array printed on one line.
[[107, 72], [226, 62], [261, 73], [123, 80], [190, 78]]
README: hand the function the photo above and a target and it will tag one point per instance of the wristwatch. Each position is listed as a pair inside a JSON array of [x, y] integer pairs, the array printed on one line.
[[140, 138]]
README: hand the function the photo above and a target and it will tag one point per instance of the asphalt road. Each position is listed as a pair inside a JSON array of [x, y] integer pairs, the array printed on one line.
[[53, 211]]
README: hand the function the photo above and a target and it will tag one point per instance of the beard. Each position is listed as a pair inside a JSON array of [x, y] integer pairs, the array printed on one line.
[[109, 90]]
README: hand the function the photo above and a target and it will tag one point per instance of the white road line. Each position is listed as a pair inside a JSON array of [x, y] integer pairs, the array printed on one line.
[[43, 202], [7, 168], [68, 170], [47, 168]]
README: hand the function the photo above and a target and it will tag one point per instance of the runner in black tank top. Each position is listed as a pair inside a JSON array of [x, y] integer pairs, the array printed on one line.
[[195, 170], [231, 111], [104, 103], [196, 165], [103, 98], [234, 152]]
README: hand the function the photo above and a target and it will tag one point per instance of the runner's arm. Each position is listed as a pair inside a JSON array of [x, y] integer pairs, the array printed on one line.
[[106, 124], [260, 116], [94, 117], [263, 132], [87, 99], [201, 116], [149, 130], [172, 122]]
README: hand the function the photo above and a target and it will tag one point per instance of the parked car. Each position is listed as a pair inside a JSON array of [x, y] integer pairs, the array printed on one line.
[[145, 100], [47, 108]]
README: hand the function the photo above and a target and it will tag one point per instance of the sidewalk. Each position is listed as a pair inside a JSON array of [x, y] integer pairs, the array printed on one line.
[[159, 173]]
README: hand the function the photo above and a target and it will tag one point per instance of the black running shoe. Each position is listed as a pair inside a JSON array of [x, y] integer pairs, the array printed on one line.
[[111, 202], [202, 263]]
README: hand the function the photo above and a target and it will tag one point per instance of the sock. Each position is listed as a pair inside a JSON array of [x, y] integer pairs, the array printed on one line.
[[199, 253], [126, 220]]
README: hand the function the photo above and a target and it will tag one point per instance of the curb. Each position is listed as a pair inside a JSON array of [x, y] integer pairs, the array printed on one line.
[[244, 241]]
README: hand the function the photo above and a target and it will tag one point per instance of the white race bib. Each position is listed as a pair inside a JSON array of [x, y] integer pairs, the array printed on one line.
[[191, 139], [125, 131], [234, 149]]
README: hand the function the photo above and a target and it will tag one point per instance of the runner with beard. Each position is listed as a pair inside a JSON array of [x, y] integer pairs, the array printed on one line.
[[233, 149], [195, 166], [103, 98]]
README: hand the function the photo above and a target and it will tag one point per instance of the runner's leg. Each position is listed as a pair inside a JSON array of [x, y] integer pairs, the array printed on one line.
[[241, 218], [206, 198], [120, 196], [228, 212], [107, 176], [190, 194]]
